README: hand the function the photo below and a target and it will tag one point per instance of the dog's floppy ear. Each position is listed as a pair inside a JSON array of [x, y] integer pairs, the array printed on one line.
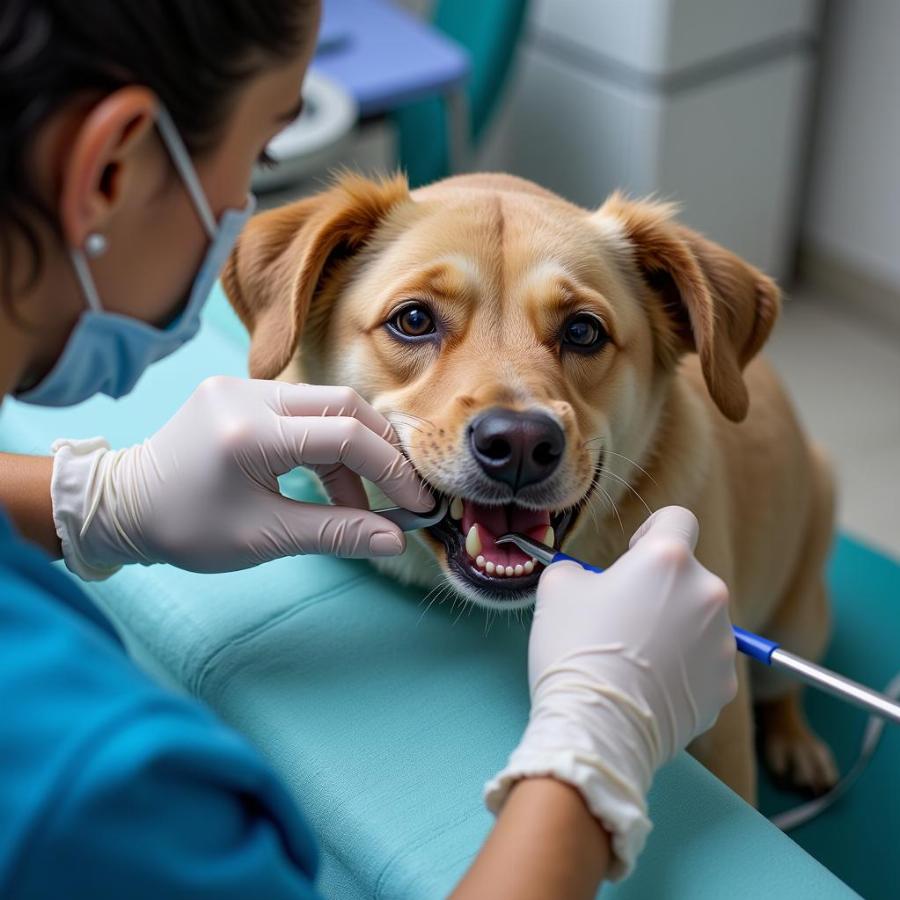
[[283, 256], [713, 302]]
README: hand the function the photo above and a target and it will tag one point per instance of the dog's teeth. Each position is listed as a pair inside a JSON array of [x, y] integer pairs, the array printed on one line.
[[509, 571], [479, 561], [456, 508], [549, 536], [473, 542], [529, 567], [519, 569], [489, 567]]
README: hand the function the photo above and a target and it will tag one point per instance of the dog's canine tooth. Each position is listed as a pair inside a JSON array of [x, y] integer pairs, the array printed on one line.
[[519, 569], [473, 542], [489, 567], [549, 536], [529, 567], [479, 561], [456, 508]]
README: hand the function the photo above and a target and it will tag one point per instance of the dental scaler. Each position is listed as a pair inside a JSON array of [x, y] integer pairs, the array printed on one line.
[[759, 648]]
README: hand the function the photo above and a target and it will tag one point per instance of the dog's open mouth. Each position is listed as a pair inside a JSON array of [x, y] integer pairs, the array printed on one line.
[[469, 534]]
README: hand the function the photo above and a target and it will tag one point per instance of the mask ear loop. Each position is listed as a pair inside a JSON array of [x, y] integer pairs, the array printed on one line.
[[181, 160], [85, 280]]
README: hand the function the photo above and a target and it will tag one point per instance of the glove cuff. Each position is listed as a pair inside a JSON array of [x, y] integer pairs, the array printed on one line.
[[606, 751], [75, 493], [620, 810]]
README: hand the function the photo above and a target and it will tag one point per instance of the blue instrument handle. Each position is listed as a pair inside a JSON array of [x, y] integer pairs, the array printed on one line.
[[755, 645], [559, 556], [751, 644]]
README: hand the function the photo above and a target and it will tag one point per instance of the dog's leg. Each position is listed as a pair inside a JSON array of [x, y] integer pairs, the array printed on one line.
[[795, 755], [792, 751], [727, 748]]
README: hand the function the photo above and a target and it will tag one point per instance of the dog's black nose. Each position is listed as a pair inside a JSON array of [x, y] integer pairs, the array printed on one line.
[[517, 448]]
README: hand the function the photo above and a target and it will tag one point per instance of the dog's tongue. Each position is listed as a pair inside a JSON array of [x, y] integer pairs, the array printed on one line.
[[494, 521]]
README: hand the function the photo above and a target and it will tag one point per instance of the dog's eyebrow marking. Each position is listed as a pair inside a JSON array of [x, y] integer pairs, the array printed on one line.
[[548, 273], [566, 293], [447, 272], [453, 277], [500, 226]]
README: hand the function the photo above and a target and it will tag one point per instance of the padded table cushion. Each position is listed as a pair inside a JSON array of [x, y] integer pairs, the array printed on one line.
[[384, 717]]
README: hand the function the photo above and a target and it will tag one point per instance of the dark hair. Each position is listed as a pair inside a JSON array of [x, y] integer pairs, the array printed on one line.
[[193, 54]]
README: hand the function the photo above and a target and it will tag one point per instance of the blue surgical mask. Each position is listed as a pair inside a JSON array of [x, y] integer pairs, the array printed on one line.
[[107, 352]]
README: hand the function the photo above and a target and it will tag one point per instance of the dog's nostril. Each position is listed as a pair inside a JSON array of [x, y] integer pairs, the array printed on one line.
[[545, 454], [497, 449]]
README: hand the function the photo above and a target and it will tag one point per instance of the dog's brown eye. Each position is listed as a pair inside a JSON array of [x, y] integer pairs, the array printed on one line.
[[413, 321], [584, 332]]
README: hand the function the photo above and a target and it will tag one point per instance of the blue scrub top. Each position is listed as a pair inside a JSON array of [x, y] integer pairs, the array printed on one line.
[[109, 785]]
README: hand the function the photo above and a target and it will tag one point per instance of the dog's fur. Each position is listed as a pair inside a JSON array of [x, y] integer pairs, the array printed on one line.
[[678, 403]]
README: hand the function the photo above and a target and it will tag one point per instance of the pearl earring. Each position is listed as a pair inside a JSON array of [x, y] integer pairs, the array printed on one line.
[[95, 245]]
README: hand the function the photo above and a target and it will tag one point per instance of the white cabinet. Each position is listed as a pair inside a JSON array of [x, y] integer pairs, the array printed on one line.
[[700, 101]]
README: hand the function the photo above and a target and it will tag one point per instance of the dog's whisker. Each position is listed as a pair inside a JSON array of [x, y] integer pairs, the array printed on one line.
[[402, 412], [630, 488], [462, 609], [615, 508], [631, 462], [400, 423], [593, 512], [432, 594], [627, 459], [399, 420], [441, 584], [417, 428], [438, 593]]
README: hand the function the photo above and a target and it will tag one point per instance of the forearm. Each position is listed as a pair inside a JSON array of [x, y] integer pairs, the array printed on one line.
[[25, 495], [546, 844]]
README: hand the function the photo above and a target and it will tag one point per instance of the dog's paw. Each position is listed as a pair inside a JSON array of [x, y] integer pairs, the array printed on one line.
[[800, 760]]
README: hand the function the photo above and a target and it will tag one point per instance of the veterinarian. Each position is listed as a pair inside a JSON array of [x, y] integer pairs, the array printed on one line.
[[129, 131]]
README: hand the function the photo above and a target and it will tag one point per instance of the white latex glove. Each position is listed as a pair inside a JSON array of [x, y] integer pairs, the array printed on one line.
[[625, 668], [202, 493]]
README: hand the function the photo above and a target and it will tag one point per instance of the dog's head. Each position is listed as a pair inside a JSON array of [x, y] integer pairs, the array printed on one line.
[[521, 346]]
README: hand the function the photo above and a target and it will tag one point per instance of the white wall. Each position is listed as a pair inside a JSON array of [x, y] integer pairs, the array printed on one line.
[[853, 208]]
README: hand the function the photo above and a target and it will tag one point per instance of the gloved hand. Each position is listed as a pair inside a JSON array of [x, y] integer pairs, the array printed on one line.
[[625, 669], [202, 493]]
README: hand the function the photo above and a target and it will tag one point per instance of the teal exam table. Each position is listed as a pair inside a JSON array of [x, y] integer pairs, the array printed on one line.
[[385, 720]]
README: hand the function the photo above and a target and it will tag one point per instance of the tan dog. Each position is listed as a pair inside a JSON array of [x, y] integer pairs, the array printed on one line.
[[562, 372]]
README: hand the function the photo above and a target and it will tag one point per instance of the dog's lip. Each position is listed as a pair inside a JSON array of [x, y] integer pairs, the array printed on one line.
[[507, 588]]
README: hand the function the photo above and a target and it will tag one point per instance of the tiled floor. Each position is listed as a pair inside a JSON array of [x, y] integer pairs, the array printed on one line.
[[844, 375]]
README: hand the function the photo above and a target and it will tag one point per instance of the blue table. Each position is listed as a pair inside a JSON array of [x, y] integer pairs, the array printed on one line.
[[385, 57]]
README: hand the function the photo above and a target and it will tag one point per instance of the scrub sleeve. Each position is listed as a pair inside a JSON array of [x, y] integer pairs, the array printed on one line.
[[110, 786]]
